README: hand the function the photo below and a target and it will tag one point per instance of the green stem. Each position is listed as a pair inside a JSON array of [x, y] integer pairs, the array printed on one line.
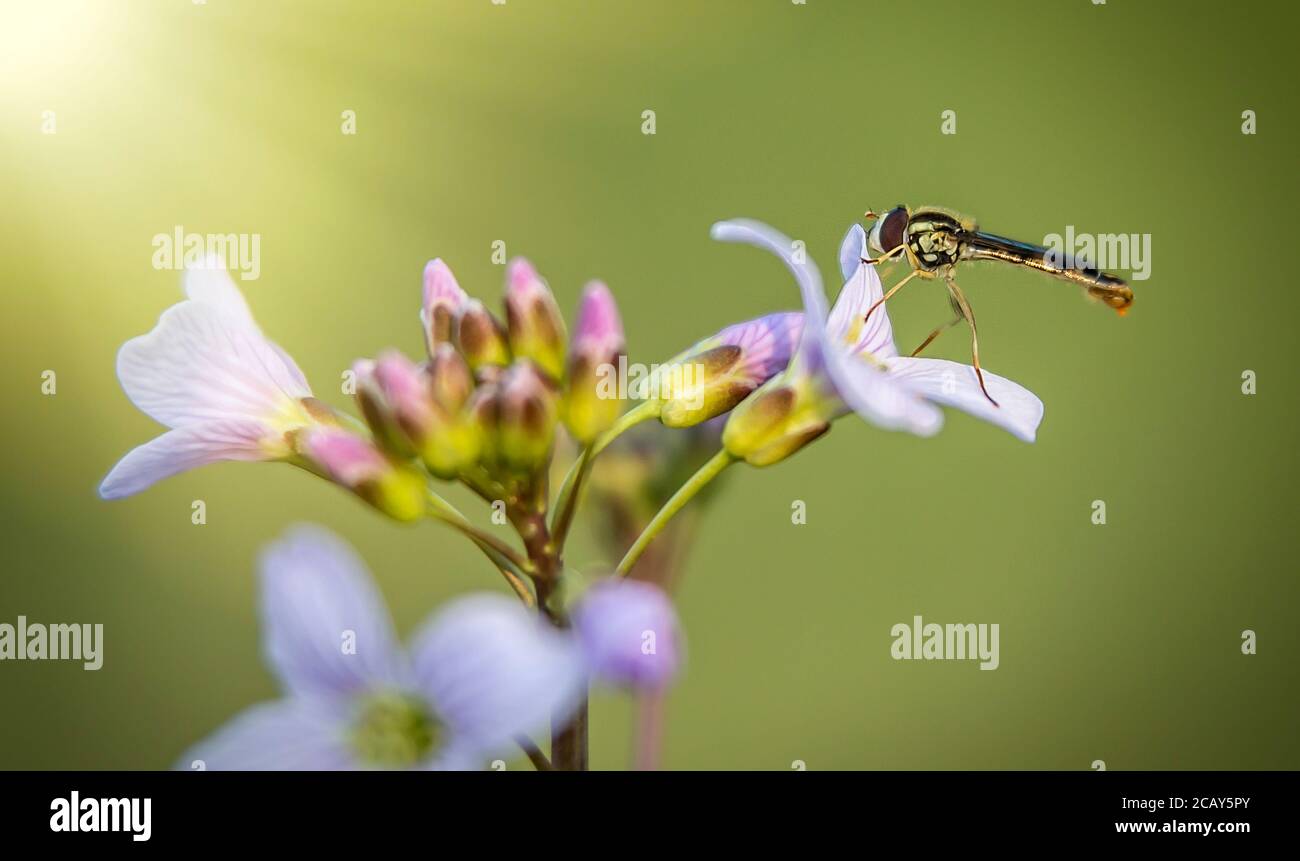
[[684, 494], [444, 511], [514, 568], [566, 502]]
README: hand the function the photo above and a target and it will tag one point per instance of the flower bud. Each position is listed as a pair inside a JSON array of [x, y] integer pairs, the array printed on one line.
[[484, 413], [374, 409], [443, 300], [721, 371], [455, 441], [589, 409], [628, 634], [775, 422], [480, 337], [356, 464], [533, 319], [450, 380], [526, 418]]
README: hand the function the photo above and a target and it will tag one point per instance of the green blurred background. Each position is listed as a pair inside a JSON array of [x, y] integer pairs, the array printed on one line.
[[522, 122]]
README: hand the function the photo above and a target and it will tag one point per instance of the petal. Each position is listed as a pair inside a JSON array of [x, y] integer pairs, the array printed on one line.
[[186, 448], [862, 290], [879, 398], [852, 249], [288, 735], [629, 633], [956, 385], [805, 273], [206, 359], [209, 283], [767, 343], [327, 629], [493, 670], [598, 332], [441, 288]]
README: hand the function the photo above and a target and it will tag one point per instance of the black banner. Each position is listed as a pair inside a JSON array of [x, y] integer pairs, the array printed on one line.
[[187, 809]]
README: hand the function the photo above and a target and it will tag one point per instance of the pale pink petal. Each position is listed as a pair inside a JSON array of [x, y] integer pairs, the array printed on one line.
[[209, 283], [879, 398], [185, 448], [954, 384], [862, 289], [203, 362]]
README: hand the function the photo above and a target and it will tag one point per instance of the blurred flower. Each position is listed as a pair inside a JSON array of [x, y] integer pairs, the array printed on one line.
[[208, 373], [480, 673], [629, 634], [597, 345], [843, 364], [632, 480], [353, 462], [443, 301], [533, 320]]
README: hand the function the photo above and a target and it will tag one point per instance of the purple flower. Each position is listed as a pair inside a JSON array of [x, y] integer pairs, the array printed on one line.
[[629, 634], [481, 672], [843, 364], [208, 373]]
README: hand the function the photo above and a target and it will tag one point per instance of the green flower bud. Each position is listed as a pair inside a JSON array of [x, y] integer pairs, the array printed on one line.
[[480, 337], [526, 418], [775, 422], [589, 407]]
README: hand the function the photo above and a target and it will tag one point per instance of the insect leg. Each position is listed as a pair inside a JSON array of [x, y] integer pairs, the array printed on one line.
[[892, 290], [939, 330], [893, 252], [960, 298]]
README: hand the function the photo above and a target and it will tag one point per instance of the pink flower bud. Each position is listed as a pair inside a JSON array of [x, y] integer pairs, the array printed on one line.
[[443, 300], [356, 464], [533, 320], [597, 345]]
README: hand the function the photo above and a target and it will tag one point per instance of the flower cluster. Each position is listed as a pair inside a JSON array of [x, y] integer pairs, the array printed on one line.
[[483, 408]]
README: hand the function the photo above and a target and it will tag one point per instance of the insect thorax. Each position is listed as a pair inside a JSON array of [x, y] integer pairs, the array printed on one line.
[[933, 238]]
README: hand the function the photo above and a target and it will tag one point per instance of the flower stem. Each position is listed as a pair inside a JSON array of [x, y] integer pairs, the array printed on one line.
[[568, 733], [684, 494], [514, 568], [566, 502], [444, 511], [648, 749], [535, 756]]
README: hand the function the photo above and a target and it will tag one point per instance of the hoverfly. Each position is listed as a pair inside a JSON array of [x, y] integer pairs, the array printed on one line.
[[935, 240]]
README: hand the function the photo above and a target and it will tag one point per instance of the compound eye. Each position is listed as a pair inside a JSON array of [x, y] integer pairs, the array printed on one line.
[[890, 229]]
